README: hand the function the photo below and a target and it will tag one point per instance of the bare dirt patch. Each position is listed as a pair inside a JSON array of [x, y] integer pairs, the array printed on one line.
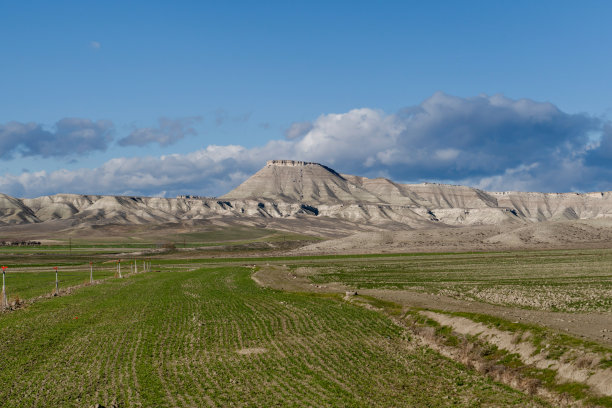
[[251, 350], [573, 234]]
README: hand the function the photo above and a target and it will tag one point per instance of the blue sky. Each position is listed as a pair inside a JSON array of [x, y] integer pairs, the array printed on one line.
[[163, 98]]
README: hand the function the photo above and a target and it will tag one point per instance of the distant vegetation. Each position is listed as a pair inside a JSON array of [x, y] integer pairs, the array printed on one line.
[[569, 281], [198, 331], [19, 243]]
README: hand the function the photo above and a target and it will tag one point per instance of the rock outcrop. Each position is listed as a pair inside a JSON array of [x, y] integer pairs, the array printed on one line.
[[290, 189]]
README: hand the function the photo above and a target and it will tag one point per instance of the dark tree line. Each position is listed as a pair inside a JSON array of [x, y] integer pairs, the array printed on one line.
[[19, 243]]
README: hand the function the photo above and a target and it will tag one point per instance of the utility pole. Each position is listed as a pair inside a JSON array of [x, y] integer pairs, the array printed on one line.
[[90, 272], [119, 267], [4, 302]]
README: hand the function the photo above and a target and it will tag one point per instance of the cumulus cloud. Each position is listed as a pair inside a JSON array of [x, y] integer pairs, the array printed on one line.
[[599, 153], [69, 136], [297, 130], [168, 132], [351, 140], [492, 142], [447, 137], [210, 171]]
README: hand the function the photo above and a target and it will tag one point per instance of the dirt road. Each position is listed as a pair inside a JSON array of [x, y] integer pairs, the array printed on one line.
[[592, 326]]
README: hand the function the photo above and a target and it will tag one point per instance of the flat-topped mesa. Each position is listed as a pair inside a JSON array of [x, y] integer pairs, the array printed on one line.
[[299, 182], [300, 163]]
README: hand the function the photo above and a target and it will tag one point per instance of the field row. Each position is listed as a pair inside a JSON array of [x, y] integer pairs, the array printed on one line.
[[573, 281], [211, 337]]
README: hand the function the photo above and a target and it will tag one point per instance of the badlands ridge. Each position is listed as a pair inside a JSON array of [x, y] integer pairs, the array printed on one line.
[[312, 198]]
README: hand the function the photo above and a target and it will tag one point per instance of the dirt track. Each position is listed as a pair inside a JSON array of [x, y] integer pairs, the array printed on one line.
[[592, 326]]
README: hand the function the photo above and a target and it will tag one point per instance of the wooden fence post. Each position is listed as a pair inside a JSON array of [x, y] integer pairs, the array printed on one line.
[[56, 281], [4, 301]]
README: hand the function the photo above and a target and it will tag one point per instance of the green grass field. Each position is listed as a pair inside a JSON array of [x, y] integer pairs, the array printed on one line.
[[197, 331], [211, 337], [37, 281], [572, 281]]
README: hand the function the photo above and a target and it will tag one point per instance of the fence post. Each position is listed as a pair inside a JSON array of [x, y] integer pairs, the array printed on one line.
[[56, 281], [4, 301], [90, 272]]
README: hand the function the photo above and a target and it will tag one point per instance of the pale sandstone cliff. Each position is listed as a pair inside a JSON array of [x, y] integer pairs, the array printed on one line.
[[289, 189]]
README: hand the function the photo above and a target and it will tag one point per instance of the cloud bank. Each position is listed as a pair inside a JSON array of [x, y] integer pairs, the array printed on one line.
[[491, 142], [68, 137], [169, 132]]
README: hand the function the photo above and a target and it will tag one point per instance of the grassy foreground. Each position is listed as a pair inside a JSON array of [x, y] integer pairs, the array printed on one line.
[[211, 337], [33, 282]]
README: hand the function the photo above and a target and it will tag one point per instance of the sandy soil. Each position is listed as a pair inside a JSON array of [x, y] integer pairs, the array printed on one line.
[[583, 369], [574, 234]]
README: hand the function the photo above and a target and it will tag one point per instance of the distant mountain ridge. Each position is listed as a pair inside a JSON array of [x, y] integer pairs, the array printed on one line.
[[289, 189]]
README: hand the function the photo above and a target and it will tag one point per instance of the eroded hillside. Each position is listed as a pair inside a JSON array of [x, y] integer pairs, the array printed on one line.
[[286, 189]]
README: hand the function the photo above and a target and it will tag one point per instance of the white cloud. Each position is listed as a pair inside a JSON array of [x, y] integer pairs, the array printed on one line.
[[349, 137], [297, 130], [95, 45], [488, 141], [168, 132]]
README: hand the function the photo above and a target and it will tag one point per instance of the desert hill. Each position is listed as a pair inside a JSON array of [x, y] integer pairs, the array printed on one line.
[[381, 199], [296, 195], [297, 181]]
